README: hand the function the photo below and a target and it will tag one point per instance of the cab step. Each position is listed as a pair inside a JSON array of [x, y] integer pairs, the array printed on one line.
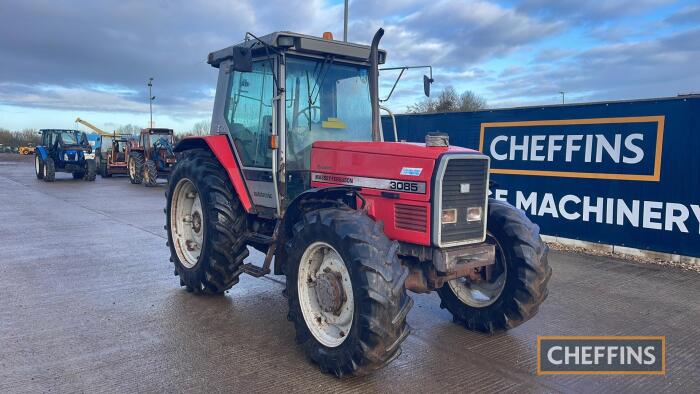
[[254, 270]]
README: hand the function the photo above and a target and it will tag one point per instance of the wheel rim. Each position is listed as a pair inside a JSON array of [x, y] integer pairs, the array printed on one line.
[[325, 294], [132, 169], [46, 172], [187, 223], [36, 164], [483, 288]]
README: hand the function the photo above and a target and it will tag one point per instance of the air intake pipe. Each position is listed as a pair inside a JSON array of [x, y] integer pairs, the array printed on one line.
[[374, 84]]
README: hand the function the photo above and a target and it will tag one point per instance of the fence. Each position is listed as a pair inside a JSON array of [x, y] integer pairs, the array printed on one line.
[[618, 173]]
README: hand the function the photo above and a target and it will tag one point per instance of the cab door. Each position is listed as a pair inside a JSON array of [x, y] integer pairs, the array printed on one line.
[[249, 115]]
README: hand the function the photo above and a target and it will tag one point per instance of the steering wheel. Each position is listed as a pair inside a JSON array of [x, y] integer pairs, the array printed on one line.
[[309, 113]]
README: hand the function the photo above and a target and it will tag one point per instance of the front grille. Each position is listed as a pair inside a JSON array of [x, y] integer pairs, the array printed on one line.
[[463, 170], [411, 217]]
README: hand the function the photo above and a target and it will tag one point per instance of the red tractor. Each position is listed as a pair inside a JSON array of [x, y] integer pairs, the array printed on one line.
[[151, 156], [297, 168]]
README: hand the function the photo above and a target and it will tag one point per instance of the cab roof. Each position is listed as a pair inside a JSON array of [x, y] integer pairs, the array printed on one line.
[[61, 130], [298, 43]]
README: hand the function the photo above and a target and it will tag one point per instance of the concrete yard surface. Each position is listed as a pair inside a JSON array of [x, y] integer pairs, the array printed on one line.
[[89, 303]]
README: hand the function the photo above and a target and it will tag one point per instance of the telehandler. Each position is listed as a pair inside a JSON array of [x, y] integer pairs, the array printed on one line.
[[296, 167]]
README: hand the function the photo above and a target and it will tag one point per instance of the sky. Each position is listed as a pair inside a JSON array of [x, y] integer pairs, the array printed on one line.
[[92, 59]]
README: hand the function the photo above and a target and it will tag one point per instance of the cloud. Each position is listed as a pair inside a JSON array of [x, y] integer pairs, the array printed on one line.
[[686, 15], [654, 68], [452, 33], [588, 11]]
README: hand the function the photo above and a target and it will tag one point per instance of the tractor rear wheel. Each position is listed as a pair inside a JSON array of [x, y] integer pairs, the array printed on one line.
[[150, 174], [509, 292], [38, 167], [49, 170], [135, 168], [205, 223], [346, 292], [90, 171]]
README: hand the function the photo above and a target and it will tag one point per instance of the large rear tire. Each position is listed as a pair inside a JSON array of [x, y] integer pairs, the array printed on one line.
[[358, 329], [38, 167], [511, 292], [205, 223], [150, 174], [135, 168], [49, 170]]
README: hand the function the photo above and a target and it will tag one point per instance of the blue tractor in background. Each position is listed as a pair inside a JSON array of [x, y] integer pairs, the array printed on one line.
[[64, 151]]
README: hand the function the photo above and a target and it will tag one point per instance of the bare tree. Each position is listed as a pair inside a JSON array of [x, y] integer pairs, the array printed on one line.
[[201, 128], [19, 138], [128, 129], [449, 101]]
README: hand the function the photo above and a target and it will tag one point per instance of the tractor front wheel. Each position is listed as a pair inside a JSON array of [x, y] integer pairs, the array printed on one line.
[[135, 168], [38, 167], [346, 292], [150, 174], [49, 170], [90, 171], [509, 292], [205, 223]]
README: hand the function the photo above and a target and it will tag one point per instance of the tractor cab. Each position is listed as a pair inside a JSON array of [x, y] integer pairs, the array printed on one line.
[[290, 90]]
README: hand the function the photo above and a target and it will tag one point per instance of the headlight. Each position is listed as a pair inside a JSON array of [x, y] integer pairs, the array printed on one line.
[[449, 216], [474, 214], [89, 156]]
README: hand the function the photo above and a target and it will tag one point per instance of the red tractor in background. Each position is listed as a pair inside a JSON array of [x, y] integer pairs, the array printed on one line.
[[151, 156], [297, 168]]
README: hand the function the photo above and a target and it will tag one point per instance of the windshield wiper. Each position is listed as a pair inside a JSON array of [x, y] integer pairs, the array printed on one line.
[[319, 79]]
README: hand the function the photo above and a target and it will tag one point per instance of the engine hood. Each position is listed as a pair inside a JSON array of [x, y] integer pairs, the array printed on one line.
[[403, 149]]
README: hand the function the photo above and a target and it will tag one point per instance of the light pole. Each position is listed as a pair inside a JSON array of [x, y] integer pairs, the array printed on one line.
[[151, 97], [345, 22], [562, 97]]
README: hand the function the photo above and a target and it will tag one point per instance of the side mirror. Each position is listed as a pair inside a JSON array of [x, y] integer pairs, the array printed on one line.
[[426, 85], [242, 60]]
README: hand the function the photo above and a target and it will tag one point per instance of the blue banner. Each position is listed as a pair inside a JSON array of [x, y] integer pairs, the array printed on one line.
[[620, 173]]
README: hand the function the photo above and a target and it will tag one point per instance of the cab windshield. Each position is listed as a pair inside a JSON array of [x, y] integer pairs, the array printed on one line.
[[325, 101], [70, 137]]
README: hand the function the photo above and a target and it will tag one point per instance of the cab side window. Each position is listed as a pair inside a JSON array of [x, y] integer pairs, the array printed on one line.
[[249, 114]]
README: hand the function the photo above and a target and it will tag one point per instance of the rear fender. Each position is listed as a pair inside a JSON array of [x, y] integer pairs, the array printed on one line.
[[220, 146], [42, 152]]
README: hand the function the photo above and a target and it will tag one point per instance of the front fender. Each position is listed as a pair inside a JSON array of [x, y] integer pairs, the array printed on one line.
[[326, 197], [42, 152]]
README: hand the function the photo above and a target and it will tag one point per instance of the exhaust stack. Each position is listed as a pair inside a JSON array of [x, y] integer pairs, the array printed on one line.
[[374, 84]]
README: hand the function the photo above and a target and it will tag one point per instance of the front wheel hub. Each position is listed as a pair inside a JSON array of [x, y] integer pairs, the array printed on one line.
[[325, 294]]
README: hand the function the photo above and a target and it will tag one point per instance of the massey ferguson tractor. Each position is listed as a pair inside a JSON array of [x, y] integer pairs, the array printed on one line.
[[296, 167], [151, 156]]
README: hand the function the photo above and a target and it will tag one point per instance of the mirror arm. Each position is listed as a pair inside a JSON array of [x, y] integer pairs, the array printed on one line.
[[403, 69], [393, 87]]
